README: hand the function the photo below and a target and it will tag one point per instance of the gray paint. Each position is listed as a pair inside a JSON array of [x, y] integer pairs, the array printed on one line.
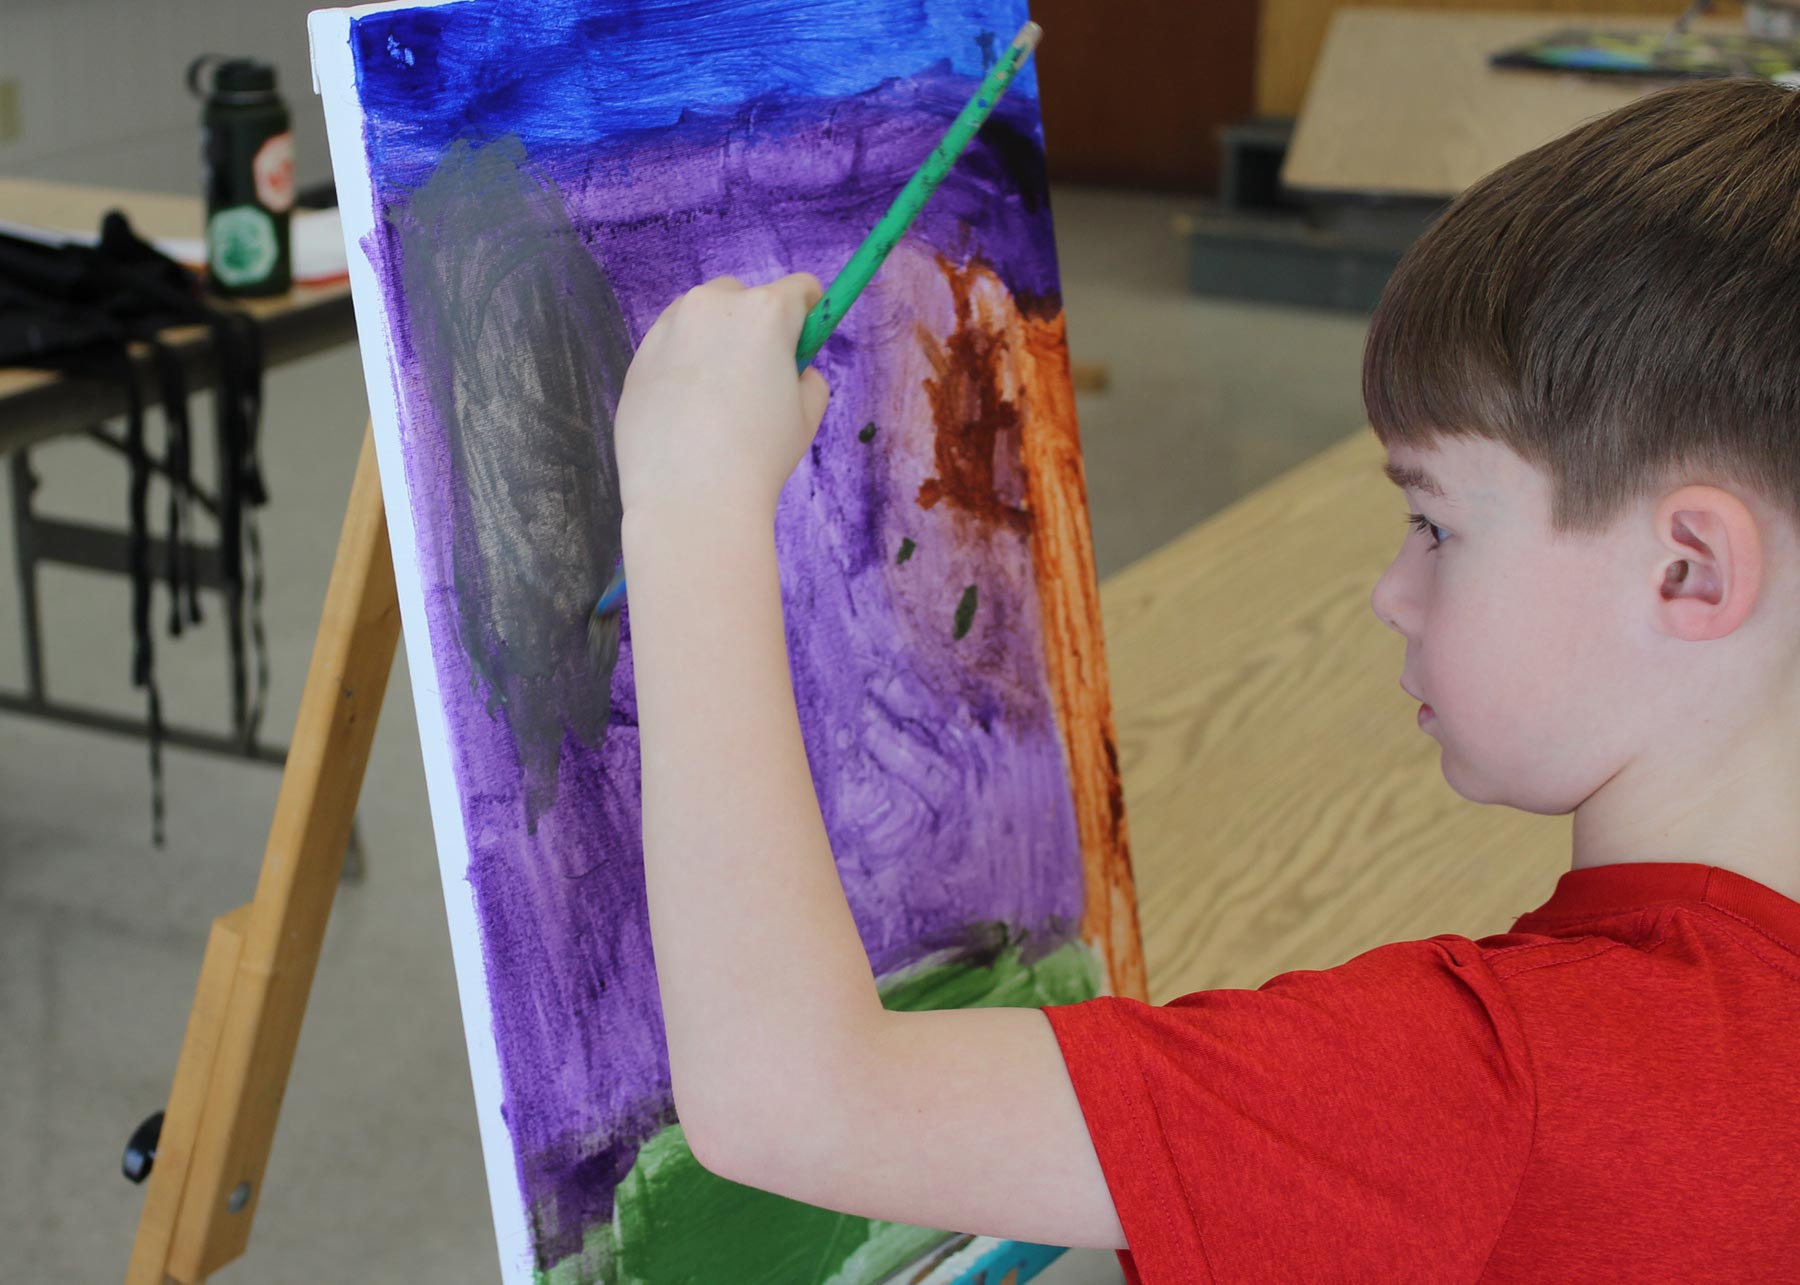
[[521, 347]]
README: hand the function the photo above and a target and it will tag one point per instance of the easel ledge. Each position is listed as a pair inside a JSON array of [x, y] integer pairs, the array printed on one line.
[[260, 958]]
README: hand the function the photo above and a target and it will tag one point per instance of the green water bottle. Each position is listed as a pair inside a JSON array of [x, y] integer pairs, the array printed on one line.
[[247, 149]]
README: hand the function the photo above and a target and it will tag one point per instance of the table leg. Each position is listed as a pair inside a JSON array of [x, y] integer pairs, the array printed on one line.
[[24, 485]]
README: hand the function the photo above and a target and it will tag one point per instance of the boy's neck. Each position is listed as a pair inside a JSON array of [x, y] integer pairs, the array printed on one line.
[[1732, 803]]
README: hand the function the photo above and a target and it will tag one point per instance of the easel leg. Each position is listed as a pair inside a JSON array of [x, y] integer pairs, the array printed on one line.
[[258, 971]]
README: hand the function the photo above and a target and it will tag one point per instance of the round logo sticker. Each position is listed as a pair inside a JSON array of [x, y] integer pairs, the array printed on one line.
[[274, 170], [240, 245]]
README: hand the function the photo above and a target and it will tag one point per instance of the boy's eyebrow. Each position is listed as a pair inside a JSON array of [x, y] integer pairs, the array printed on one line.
[[1407, 477]]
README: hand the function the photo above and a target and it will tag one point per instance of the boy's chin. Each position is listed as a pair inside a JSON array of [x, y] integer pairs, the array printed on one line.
[[1471, 785], [1484, 789], [1469, 789]]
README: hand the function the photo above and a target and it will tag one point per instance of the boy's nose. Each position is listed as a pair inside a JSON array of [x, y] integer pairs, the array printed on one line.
[[1381, 600]]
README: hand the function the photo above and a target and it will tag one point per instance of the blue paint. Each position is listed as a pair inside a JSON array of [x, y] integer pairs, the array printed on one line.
[[555, 69], [1019, 1256], [614, 594]]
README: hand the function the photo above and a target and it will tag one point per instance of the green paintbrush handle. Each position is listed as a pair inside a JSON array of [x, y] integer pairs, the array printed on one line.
[[870, 255], [874, 250]]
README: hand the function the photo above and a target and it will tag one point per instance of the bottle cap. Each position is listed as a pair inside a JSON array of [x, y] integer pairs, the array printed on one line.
[[239, 78], [244, 76]]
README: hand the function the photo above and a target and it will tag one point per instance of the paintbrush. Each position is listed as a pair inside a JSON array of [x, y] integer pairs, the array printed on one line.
[[823, 318]]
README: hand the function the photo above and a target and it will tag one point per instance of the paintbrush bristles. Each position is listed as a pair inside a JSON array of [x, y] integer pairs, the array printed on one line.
[[603, 623], [1028, 37], [602, 640]]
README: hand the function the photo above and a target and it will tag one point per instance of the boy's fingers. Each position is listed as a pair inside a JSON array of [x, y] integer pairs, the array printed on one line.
[[718, 285], [814, 394]]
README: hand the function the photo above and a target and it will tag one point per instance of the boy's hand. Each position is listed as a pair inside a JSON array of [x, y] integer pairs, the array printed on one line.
[[713, 416]]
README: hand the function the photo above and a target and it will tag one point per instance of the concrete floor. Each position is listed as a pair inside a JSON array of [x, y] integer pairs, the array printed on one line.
[[376, 1173]]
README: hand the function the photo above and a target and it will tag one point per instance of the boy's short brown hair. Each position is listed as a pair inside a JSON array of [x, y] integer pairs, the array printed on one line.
[[1620, 306]]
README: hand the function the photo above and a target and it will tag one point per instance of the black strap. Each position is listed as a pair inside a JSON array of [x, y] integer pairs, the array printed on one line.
[[143, 648], [241, 487], [178, 468]]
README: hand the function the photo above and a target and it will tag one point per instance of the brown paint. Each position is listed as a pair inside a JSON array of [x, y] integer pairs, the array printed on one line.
[[975, 420]]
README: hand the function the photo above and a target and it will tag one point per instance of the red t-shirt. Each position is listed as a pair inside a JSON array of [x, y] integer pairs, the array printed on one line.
[[1610, 1091]]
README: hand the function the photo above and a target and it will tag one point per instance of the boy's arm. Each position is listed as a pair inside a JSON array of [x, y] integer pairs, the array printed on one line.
[[788, 1074], [960, 1119]]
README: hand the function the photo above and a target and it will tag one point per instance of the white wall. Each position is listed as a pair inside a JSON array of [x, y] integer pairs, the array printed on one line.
[[101, 94]]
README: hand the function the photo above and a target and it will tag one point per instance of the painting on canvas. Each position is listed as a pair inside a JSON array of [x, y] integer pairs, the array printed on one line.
[[524, 188]]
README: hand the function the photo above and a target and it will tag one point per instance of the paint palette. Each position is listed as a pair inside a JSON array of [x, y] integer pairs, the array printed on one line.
[[524, 188], [1654, 54]]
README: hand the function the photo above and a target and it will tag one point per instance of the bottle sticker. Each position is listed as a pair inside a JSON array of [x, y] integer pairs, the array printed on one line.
[[240, 245], [274, 170]]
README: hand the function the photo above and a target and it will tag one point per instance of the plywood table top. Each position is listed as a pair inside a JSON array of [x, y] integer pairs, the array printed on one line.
[[1404, 103]]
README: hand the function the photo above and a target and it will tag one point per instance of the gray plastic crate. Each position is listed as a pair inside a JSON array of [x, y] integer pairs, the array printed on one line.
[[1265, 242]]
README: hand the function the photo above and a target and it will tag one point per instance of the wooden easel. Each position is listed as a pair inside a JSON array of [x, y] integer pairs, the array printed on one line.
[[258, 968]]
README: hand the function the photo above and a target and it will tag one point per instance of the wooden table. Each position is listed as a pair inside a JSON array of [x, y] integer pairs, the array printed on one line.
[[1285, 809], [1404, 103]]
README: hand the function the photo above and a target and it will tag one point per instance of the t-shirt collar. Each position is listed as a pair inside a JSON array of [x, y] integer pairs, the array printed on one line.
[[1595, 890]]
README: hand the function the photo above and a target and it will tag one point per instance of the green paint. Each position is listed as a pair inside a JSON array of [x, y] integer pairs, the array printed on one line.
[[906, 550], [677, 1222], [874, 250], [868, 433], [996, 978], [674, 1221], [965, 612]]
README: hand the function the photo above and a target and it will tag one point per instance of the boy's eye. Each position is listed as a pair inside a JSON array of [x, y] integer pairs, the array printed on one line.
[[1419, 522]]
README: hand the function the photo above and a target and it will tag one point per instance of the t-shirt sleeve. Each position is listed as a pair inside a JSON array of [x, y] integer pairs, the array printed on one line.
[[1368, 1122]]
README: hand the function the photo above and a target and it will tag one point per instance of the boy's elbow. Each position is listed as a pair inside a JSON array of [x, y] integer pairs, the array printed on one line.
[[701, 1143], [722, 1137], [779, 1127], [710, 1145], [729, 1154], [775, 1143]]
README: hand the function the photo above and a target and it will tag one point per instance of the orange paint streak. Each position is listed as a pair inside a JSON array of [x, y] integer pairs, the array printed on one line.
[[1075, 649], [974, 409]]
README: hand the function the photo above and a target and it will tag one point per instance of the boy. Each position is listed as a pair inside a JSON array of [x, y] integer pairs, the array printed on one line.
[[1587, 379]]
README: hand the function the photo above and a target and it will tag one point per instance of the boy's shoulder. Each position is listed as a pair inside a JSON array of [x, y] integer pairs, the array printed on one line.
[[1510, 954]]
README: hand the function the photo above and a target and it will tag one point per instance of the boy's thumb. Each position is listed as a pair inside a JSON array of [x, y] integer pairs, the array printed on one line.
[[814, 394]]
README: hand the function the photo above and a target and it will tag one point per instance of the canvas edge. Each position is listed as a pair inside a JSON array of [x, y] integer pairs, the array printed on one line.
[[334, 79]]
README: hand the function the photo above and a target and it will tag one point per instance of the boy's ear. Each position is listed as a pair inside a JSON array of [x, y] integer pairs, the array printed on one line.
[[1709, 581]]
